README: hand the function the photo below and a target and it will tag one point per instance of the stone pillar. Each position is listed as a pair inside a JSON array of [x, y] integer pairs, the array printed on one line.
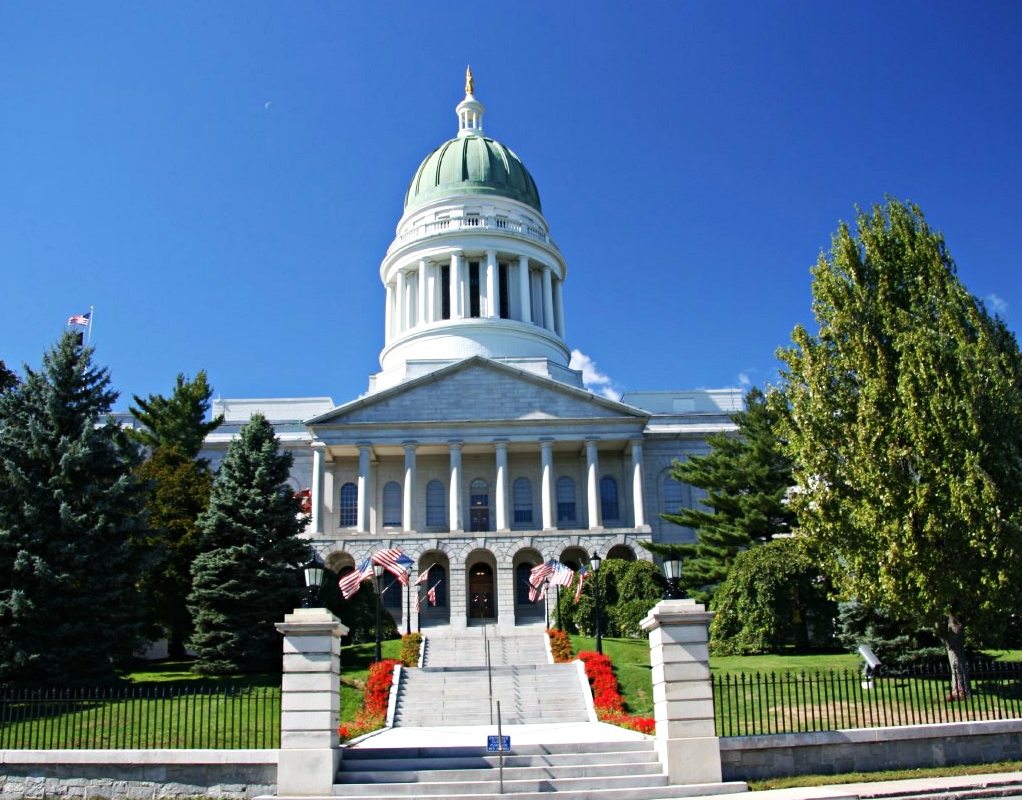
[[362, 523], [456, 512], [492, 285], [524, 297], [682, 693], [548, 300], [593, 485], [309, 703], [638, 496], [559, 308], [421, 318], [501, 488], [546, 450], [316, 523], [409, 506], [401, 317], [388, 323]]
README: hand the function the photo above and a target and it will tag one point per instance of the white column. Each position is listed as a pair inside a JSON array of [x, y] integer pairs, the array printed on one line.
[[501, 448], [524, 298], [408, 511], [546, 450], [401, 315], [638, 500], [455, 287], [388, 323], [316, 523], [548, 300], [362, 523], [423, 264], [492, 285], [593, 484], [457, 514], [559, 307]]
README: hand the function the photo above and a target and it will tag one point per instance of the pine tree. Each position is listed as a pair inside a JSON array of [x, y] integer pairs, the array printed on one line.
[[180, 484], [70, 509], [746, 476], [8, 379], [246, 576], [905, 426]]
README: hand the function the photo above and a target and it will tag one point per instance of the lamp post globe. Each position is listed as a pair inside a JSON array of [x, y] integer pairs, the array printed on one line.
[[672, 571], [313, 572], [594, 562]]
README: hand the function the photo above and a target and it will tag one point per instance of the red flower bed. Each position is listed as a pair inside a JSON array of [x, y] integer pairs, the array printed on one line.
[[610, 706], [373, 714], [560, 646]]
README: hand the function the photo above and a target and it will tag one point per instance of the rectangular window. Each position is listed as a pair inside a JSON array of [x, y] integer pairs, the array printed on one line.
[[445, 291], [505, 298], [473, 288]]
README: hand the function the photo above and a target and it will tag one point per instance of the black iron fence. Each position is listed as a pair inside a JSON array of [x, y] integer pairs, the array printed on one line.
[[794, 702], [201, 717]]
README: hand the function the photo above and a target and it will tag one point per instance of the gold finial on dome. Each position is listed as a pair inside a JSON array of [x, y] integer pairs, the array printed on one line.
[[469, 83]]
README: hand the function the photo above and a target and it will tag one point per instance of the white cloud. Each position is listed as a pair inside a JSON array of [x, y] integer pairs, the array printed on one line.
[[744, 380], [267, 104], [594, 380], [996, 304]]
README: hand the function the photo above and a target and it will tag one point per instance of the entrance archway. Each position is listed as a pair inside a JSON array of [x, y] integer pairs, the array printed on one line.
[[481, 600]]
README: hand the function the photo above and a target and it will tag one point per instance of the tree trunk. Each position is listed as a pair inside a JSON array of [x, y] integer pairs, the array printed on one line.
[[952, 634]]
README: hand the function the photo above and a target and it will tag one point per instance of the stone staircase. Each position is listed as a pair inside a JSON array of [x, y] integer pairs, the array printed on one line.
[[580, 771]]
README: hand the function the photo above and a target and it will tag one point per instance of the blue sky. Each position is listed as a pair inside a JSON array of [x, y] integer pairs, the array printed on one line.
[[222, 179]]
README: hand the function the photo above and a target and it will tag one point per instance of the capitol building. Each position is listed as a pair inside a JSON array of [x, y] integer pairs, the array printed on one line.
[[476, 449]]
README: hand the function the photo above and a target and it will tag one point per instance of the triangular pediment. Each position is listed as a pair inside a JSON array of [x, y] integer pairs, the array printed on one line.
[[477, 390]]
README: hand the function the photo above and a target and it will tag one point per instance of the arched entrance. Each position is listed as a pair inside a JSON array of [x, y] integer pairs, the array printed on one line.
[[481, 600]]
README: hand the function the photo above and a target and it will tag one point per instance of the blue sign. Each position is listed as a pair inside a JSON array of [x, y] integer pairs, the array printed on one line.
[[496, 744]]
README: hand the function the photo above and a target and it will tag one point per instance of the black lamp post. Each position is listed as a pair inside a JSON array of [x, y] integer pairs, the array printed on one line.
[[672, 571], [378, 571], [594, 562], [313, 571]]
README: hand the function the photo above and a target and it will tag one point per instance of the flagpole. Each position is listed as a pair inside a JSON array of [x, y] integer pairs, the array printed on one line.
[[88, 333]]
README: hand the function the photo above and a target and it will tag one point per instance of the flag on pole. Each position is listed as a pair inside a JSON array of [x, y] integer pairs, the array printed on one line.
[[417, 599], [561, 574], [351, 582], [395, 562], [431, 594], [80, 319], [583, 573], [423, 575], [537, 578]]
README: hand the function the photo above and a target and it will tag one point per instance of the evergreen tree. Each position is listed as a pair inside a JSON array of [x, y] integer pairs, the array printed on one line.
[[905, 427], [246, 576], [746, 476], [70, 508], [180, 484], [178, 420], [8, 379]]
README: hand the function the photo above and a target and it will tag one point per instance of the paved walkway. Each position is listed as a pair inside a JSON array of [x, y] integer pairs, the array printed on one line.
[[475, 735], [1004, 784]]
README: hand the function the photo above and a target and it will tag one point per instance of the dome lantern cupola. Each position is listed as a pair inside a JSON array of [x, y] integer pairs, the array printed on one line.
[[470, 111]]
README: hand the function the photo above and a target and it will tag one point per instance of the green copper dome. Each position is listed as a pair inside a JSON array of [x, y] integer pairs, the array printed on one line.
[[472, 165]]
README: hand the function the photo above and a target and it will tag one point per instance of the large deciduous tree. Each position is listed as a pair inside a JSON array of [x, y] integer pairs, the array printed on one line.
[[179, 483], [905, 427], [746, 476], [71, 508], [246, 576]]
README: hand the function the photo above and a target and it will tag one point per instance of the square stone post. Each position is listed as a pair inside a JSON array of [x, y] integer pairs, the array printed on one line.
[[686, 739], [310, 703]]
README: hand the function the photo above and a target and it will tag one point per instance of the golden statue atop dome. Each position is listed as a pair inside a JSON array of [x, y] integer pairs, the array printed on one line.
[[469, 83]]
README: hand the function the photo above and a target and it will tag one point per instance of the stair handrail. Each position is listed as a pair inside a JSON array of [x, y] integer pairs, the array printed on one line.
[[489, 676]]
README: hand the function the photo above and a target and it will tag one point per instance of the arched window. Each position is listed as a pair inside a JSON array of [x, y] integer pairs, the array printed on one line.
[[392, 504], [437, 581], [523, 501], [436, 505], [565, 500], [349, 505], [674, 495], [608, 499]]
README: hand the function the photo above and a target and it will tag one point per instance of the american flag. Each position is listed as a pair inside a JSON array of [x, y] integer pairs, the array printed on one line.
[[563, 575], [583, 573], [80, 319], [431, 594], [395, 562], [351, 582], [423, 575], [537, 579], [417, 599]]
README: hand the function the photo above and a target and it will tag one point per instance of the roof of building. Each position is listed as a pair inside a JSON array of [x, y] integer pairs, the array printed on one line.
[[471, 163]]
